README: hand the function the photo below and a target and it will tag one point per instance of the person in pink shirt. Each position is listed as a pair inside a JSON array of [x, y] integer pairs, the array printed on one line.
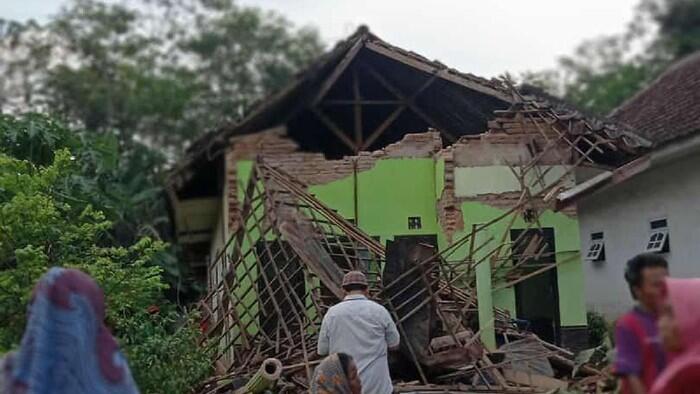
[[679, 325], [640, 357]]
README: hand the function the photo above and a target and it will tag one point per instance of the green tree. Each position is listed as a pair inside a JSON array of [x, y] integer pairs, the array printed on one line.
[[162, 73], [603, 72], [125, 185], [144, 78], [43, 225], [679, 25]]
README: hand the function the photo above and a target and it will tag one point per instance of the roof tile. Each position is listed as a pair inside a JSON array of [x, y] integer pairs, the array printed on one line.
[[669, 108]]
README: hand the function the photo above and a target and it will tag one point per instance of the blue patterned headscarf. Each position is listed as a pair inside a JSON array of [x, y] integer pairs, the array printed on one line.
[[66, 348]]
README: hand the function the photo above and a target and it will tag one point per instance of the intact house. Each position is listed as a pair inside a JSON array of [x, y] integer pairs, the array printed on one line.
[[410, 150], [651, 203]]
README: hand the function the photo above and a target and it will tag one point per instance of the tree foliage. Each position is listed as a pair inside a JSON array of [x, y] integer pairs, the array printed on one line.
[[143, 78], [123, 184], [128, 86], [46, 220], [162, 71], [603, 72], [679, 25]]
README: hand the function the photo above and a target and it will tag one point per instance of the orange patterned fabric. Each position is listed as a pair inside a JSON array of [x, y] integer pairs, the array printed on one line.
[[329, 377]]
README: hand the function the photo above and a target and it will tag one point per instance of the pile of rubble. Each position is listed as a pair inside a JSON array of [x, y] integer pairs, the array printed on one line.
[[283, 270]]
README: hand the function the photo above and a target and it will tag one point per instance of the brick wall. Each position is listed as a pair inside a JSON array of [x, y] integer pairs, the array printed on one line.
[[510, 142], [312, 168]]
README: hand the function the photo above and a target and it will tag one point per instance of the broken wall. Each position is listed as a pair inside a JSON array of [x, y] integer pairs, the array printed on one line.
[[487, 172], [415, 187], [379, 190]]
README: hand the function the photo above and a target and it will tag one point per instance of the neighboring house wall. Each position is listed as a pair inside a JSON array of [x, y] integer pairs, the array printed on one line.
[[623, 213]]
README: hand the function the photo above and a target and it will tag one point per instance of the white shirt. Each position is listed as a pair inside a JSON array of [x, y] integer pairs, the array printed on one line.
[[364, 330]]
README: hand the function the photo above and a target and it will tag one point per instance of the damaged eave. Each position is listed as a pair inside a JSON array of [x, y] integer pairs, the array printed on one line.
[[659, 157]]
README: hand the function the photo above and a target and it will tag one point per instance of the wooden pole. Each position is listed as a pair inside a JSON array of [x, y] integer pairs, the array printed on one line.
[[357, 110]]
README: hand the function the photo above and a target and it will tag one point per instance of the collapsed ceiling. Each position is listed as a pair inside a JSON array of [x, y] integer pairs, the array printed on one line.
[[282, 268]]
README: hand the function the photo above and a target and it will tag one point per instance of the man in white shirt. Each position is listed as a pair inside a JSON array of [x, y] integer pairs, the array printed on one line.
[[363, 329]]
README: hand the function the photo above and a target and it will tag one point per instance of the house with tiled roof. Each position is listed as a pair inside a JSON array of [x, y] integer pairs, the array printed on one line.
[[649, 204]]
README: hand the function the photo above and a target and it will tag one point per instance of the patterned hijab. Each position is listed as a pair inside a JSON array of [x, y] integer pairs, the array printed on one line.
[[330, 378], [66, 348]]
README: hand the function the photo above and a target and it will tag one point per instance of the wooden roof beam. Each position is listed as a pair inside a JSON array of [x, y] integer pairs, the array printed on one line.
[[338, 71], [357, 108], [382, 127], [335, 129], [410, 101], [429, 68]]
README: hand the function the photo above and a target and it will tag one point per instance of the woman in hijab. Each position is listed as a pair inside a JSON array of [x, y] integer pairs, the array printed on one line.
[[679, 326], [66, 348], [337, 374]]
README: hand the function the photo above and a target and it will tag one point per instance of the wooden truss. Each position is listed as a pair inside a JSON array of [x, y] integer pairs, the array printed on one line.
[[401, 102], [281, 270]]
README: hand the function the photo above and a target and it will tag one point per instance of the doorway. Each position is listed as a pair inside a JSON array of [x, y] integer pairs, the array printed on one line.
[[537, 298]]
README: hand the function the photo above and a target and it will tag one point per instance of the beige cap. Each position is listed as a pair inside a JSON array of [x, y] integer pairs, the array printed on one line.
[[354, 278]]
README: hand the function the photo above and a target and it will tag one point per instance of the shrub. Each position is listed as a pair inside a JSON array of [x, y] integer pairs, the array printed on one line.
[[598, 329], [42, 226]]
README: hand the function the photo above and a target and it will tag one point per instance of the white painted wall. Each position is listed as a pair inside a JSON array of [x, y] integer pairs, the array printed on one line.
[[494, 179], [623, 213]]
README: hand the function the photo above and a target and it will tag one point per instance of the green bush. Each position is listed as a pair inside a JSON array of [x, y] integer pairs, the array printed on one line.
[[598, 329], [44, 223], [163, 353]]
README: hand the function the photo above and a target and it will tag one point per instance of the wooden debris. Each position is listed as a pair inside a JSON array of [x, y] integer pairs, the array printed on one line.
[[281, 270], [533, 380]]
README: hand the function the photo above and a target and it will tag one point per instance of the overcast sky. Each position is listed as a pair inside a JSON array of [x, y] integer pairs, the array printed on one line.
[[484, 37]]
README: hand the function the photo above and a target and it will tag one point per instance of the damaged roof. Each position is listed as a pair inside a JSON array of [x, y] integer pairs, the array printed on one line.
[[476, 97], [400, 92], [599, 142], [669, 108]]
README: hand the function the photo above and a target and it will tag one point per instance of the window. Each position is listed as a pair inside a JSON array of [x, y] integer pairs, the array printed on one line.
[[414, 223], [658, 237], [596, 250]]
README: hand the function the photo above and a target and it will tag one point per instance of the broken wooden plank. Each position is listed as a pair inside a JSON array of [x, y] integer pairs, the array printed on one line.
[[533, 380]]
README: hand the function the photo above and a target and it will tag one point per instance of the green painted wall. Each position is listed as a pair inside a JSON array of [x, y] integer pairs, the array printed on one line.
[[569, 274], [439, 177], [247, 273], [484, 291], [473, 181], [338, 195], [395, 189], [387, 194]]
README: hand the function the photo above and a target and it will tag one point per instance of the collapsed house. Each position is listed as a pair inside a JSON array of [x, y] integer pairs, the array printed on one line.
[[437, 184]]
